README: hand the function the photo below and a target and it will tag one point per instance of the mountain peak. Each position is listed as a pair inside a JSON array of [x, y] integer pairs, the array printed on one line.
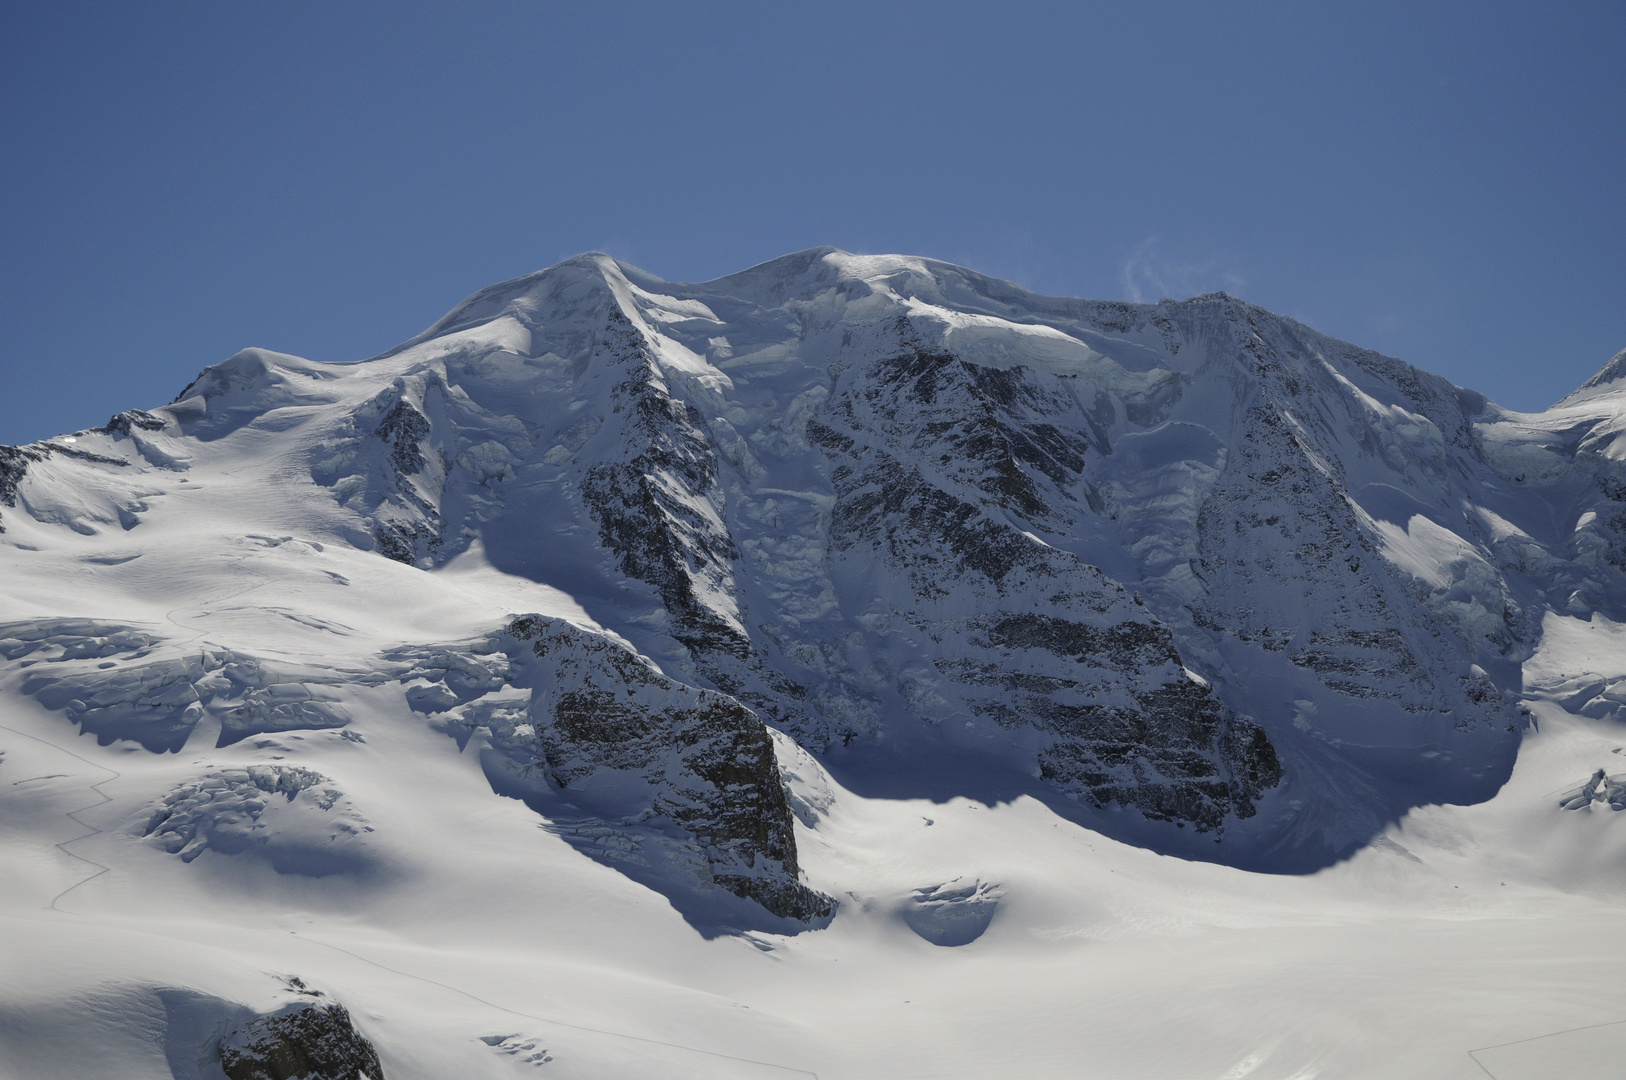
[[1612, 372]]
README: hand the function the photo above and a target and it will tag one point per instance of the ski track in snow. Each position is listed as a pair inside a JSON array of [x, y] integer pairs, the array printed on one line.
[[73, 815], [554, 1020], [1538, 1038]]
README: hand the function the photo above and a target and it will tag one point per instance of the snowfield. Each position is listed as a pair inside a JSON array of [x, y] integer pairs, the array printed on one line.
[[851, 667]]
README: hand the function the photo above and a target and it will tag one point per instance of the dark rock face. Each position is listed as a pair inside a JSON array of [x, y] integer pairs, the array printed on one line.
[[386, 456], [304, 1041], [132, 420], [14, 462], [625, 742], [658, 508], [654, 492], [404, 429], [709, 759], [1173, 750], [414, 527], [1276, 518], [1283, 530], [936, 464]]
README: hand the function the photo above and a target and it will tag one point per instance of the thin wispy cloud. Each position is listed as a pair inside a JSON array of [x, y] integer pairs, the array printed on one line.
[[1386, 326], [1149, 275]]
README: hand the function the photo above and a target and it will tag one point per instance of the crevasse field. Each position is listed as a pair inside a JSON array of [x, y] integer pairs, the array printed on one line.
[[1333, 795]]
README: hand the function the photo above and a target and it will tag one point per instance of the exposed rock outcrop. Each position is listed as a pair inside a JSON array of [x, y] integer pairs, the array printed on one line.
[[628, 743], [305, 1040], [938, 464]]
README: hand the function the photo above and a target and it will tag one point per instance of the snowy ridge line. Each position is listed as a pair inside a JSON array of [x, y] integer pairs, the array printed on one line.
[[1535, 1038], [547, 1020], [94, 831]]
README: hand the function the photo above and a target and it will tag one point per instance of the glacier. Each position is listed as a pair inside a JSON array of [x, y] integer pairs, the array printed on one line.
[[859, 611]]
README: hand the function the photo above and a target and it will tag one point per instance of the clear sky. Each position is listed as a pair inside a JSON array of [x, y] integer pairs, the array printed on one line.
[[1444, 182]]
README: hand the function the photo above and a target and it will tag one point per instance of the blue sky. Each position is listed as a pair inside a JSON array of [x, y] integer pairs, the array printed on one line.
[[1446, 183]]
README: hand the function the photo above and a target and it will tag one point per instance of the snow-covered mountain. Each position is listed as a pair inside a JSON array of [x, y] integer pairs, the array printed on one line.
[[683, 570]]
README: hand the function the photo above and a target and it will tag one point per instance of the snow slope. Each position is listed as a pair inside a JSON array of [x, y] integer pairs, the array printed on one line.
[[855, 666]]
